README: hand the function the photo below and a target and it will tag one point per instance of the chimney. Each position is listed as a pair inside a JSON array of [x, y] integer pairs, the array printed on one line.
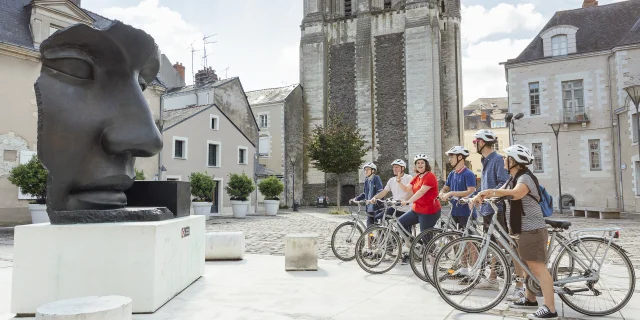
[[589, 3], [205, 76], [76, 2], [180, 68]]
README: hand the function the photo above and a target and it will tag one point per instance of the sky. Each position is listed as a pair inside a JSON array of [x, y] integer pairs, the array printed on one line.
[[258, 40]]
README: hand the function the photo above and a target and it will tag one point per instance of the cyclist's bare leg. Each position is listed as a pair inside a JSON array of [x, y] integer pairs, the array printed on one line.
[[541, 272], [520, 272]]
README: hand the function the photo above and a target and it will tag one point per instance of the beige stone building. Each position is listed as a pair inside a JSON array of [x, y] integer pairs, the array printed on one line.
[[573, 74], [209, 127], [279, 114], [24, 24], [485, 113]]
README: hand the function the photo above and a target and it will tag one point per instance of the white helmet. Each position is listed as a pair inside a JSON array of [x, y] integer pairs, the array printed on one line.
[[458, 150], [520, 154], [399, 162], [486, 135], [420, 157], [370, 165]]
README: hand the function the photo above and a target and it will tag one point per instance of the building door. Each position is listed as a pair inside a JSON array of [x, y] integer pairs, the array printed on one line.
[[215, 207], [348, 192]]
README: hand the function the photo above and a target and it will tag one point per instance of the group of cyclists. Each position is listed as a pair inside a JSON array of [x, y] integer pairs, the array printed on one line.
[[502, 176]]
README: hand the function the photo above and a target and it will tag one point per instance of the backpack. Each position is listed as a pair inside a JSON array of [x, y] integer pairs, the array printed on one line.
[[546, 200]]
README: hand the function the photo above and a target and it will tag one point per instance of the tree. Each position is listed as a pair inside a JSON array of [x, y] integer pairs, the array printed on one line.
[[337, 148], [139, 174], [201, 186], [31, 178]]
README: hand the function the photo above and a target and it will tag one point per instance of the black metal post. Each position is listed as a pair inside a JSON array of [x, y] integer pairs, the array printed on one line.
[[293, 187], [556, 132], [638, 128]]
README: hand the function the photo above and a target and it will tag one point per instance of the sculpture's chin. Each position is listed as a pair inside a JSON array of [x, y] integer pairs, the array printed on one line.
[[98, 199]]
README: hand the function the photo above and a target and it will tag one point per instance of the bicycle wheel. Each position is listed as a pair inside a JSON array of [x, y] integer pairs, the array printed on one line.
[[343, 240], [476, 292], [378, 250], [614, 286], [416, 252], [431, 250]]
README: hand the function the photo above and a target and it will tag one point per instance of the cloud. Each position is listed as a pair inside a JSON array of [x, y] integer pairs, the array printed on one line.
[[479, 23], [170, 31], [491, 36]]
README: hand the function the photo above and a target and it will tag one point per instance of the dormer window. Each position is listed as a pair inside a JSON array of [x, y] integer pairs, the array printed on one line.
[[559, 45], [387, 4], [347, 8], [559, 40]]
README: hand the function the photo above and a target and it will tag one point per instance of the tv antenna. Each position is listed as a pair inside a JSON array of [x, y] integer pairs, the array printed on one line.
[[193, 51], [225, 72], [205, 43]]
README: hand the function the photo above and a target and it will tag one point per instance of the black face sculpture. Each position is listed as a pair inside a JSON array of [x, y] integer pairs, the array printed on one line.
[[92, 116]]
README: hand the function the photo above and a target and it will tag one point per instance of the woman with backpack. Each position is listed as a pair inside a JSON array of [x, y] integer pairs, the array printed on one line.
[[525, 219]]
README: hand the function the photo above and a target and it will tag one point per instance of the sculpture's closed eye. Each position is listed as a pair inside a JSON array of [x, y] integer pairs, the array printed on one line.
[[76, 68]]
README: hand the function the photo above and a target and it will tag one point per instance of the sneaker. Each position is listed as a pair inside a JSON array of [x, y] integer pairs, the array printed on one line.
[[487, 284], [523, 303], [543, 313], [465, 281], [405, 259], [517, 295]]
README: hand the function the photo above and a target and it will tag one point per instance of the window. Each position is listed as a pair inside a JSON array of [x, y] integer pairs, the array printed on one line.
[[573, 101], [559, 45], [242, 155], [634, 127], [347, 8], [534, 98], [179, 148], [213, 154], [537, 155], [496, 146], [53, 29], [263, 147], [214, 122], [498, 124], [264, 121], [594, 154], [387, 4], [638, 178]]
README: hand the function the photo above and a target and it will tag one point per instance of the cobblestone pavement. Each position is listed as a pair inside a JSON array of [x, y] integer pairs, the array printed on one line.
[[6, 248]]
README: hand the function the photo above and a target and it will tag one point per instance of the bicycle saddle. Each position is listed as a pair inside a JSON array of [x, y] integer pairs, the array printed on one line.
[[558, 223]]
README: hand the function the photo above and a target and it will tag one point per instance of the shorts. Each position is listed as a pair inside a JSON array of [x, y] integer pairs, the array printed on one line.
[[461, 221], [532, 245]]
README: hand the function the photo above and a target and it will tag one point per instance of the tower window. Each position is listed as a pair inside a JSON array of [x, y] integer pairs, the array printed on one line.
[[347, 8], [442, 7], [387, 4]]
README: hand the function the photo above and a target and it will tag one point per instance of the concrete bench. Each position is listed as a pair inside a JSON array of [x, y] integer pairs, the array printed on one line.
[[87, 308], [301, 252], [224, 246], [596, 212]]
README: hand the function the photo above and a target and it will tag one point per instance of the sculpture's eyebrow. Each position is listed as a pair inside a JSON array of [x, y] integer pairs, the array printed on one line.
[[66, 53]]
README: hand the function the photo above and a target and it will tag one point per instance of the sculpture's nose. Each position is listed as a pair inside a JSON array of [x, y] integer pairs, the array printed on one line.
[[134, 130]]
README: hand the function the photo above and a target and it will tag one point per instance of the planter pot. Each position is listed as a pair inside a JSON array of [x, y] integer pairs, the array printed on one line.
[[39, 213], [239, 208], [271, 207], [202, 208]]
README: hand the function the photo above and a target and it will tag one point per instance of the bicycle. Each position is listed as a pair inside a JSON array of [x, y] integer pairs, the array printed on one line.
[[352, 230], [581, 274], [382, 242]]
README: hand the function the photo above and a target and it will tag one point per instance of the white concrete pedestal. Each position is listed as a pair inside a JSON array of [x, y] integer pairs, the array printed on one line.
[[87, 308], [301, 252], [224, 246], [150, 262]]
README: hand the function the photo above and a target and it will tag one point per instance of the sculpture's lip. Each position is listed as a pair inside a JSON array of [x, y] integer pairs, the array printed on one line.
[[119, 182]]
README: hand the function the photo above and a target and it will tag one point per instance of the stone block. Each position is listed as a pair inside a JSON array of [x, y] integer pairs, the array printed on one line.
[[578, 213], [150, 262], [301, 252], [87, 308], [224, 246], [174, 195], [609, 215], [592, 214]]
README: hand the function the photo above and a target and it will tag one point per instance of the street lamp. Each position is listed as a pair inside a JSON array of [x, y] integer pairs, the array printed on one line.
[[293, 182], [511, 121], [556, 131], [634, 95]]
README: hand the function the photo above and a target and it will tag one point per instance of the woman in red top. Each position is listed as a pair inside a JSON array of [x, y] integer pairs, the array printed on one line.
[[426, 208]]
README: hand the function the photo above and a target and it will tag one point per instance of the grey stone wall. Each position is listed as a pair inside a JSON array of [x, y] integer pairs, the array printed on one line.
[[391, 128], [451, 84], [342, 82], [293, 135]]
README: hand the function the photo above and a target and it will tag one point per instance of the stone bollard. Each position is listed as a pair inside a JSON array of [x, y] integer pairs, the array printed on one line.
[[301, 252], [224, 246], [87, 308]]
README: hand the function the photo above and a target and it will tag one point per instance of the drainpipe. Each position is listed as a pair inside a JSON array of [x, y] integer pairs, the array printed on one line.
[[620, 162], [161, 136], [617, 187]]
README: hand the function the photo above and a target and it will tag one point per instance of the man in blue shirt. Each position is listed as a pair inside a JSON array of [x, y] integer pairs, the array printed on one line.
[[461, 182]]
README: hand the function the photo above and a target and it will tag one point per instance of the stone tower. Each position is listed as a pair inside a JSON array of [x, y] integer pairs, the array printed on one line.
[[392, 67]]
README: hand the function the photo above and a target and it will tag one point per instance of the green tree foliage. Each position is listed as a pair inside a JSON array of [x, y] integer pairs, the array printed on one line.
[[31, 178], [201, 186], [271, 188], [239, 187]]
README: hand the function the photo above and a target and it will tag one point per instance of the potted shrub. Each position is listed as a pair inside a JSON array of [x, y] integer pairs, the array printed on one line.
[[202, 190], [239, 188], [31, 178], [271, 188], [139, 175]]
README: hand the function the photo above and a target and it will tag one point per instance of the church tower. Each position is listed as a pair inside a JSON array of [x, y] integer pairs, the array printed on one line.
[[381, 64]]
